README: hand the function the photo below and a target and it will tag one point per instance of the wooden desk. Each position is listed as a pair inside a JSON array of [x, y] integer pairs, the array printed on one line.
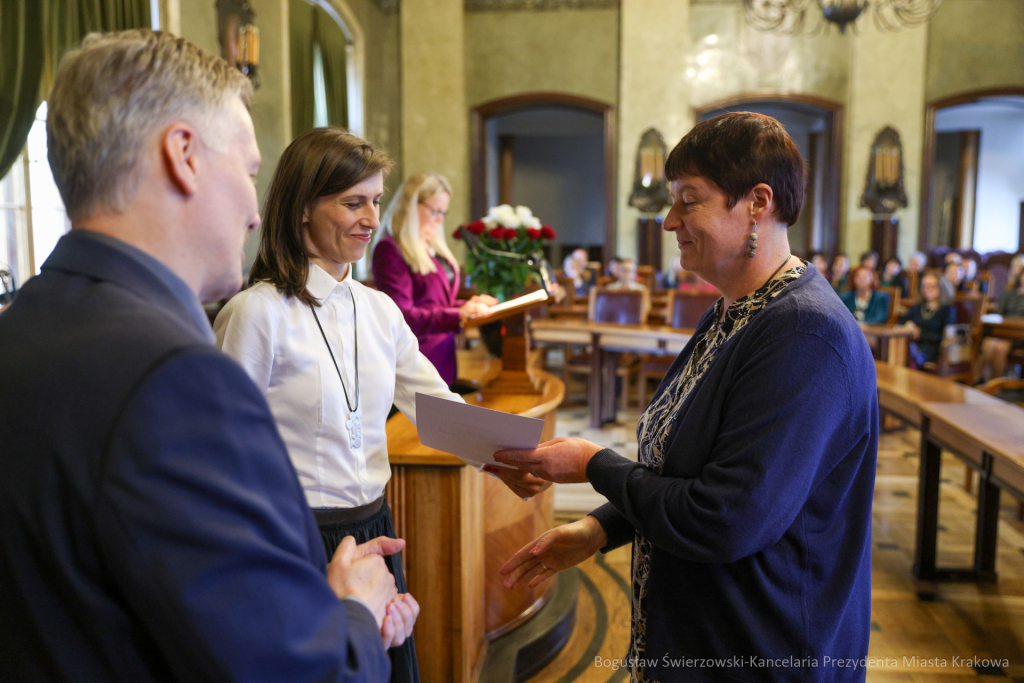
[[607, 341], [1009, 328], [894, 340], [901, 392], [460, 527], [989, 438]]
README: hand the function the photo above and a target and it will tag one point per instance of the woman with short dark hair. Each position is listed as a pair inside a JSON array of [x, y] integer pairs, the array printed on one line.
[[749, 510]]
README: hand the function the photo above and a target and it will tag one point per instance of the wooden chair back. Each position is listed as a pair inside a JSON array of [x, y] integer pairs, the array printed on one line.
[[570, 290], [685, 309], [969, 309], [619, 306], [998, 276], [894, 295], [648, 276]]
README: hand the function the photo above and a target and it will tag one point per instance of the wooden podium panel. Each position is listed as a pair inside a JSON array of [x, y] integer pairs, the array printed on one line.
[[461, 526]]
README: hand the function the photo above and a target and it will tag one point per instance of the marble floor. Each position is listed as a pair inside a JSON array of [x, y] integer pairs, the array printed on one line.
[[918, 628]]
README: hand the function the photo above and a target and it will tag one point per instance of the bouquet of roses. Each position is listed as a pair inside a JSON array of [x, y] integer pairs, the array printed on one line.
[[504, 229]]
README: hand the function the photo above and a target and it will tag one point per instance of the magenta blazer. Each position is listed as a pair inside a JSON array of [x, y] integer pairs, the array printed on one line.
[[427, 301]]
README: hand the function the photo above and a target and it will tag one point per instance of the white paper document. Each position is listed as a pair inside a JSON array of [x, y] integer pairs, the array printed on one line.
[[472, 433]]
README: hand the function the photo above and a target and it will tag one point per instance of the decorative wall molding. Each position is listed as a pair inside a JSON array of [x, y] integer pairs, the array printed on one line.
[[535, 5]]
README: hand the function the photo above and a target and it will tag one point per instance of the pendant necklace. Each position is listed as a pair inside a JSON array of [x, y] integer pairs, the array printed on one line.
[[355, 427]]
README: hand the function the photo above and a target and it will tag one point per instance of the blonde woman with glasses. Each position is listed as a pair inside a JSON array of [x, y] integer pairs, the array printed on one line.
[[414, 266]]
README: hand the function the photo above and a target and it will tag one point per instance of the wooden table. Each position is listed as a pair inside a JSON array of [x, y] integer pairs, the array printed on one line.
[[1009, 328], [607, 341], [989, 438], [461, 526], [894, 341], [902, 391]]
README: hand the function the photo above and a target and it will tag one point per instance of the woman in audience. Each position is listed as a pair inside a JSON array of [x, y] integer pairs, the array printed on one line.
[[869, 259], [613, 269], [995, 352], [868, 305], [627, 276], [575, 268], [330, 354], [840, 271], [952, 278], [414, 266], [694, 283], [820, 264], [750, 507], [917, 262], [892, 275], [928, 320]]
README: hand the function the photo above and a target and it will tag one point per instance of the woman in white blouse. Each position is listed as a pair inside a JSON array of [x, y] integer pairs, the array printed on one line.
[[331, 355]]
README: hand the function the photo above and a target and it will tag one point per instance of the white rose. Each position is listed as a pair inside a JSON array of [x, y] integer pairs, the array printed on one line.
[[534, 222], [524, 213], [506, 216]]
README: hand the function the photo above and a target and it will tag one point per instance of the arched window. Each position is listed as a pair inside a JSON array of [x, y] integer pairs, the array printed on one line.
[[326, 66]]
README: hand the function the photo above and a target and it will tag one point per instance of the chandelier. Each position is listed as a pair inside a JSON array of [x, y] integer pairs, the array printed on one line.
[[789, 16]]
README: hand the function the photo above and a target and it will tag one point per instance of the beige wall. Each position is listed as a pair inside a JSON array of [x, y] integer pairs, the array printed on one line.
[[652, 93], [572, 51], [435, 120], [975, 44], [880, 96]]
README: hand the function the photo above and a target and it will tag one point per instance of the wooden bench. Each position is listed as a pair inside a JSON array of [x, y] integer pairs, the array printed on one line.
[[984, 432]]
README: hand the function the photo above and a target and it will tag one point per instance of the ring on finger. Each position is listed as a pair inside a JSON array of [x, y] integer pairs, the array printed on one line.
[[545, 566]]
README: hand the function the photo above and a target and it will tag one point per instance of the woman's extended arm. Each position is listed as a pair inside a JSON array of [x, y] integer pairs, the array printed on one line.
[[777, 435]]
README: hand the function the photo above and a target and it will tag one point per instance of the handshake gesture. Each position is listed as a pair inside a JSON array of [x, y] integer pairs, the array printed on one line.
[[359, 571]]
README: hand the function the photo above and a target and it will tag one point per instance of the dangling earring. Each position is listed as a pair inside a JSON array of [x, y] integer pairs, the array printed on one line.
[[753, 242]]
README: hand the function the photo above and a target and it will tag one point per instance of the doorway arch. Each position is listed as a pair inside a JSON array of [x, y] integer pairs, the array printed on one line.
[[482, 114], [830, 185], [929, 153]]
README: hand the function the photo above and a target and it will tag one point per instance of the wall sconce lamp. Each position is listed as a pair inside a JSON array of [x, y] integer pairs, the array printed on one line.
[[239, 37]]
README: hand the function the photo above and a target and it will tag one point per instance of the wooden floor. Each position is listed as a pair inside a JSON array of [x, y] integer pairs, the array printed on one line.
[[918, 628]]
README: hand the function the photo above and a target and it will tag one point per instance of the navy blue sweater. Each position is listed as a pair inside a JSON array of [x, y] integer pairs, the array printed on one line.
[[761, 519]]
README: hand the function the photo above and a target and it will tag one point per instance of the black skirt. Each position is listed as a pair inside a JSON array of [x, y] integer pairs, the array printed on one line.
[[404, 667]]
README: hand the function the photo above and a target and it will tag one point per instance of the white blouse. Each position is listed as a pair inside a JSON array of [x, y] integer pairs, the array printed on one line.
[[276, 339]]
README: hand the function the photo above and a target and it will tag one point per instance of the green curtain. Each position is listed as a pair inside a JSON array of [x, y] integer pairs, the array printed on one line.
[[71, 20], [333, 46], [21, 69], [301, 24]]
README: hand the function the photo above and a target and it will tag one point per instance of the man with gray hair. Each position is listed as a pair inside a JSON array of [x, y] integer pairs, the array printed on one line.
[[152, 527]]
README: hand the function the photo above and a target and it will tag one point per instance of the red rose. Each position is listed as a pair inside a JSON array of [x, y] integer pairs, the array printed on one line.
[[533, 233], [477, 228], [497, 233], [458, 233], [547, 232], [511, 233]]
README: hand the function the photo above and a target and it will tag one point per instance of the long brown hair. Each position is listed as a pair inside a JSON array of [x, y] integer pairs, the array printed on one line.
[[318, 163]]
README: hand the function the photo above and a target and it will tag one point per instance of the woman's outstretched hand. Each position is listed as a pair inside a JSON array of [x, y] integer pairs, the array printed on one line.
[[563, 460], [560, 548]]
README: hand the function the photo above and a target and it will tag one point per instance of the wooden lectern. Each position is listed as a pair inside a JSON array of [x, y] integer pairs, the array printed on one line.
[[462, 525]]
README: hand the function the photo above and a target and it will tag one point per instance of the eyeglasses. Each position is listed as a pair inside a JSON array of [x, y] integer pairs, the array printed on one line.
[[436, 214]]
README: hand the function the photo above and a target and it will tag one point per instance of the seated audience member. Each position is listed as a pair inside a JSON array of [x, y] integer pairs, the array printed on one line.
[[1015, 269], [586, 276], [928, 320], [627, 276], [952, 279], [749, 511], [868, 305], [995, 352], [820, 264], [917, 262], [970, 276], [613, 267], [952, 257], [869, 259], [152, 526], [413, 265], [694, 283], [840, 272], [673, 277], [892, 276]]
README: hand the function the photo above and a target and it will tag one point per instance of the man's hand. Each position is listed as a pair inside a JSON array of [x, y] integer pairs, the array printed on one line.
[[359, 571], [400, 618], [563, 460]]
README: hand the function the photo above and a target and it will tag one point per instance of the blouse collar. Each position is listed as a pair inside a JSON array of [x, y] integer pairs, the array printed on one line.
[[322, 284]]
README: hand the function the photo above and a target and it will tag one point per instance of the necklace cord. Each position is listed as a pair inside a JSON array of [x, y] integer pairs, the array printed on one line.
[[355, 337]]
